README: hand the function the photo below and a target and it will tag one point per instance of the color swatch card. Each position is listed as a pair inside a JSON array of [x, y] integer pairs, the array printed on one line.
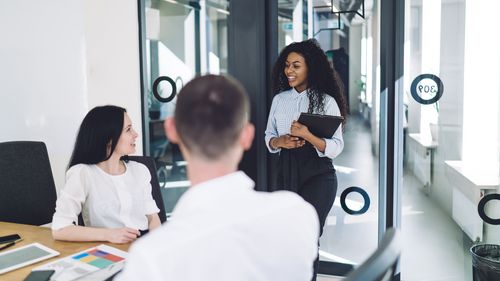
[[85, 262], [98, 258]]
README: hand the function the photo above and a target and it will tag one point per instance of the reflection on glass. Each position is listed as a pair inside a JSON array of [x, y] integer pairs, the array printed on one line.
[[217, 14], [445, 177], [173, 50], [170, 52], [347, 238], [352, 238], [292, 21], [325, 21]]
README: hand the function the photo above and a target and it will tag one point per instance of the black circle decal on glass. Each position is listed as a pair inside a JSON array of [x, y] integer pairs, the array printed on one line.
[[157, 83], [363, 193], [482, 213], [179, 83], [427, 84]]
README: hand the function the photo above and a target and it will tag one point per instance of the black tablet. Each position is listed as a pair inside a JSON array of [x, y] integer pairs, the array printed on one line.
[[40, 275], [322, 126]]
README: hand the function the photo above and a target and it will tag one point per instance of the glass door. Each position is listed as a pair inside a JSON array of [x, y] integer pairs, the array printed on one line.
[[447, 199], [452, 90], [449, 126], [349, 39], [292, 21], [171, 61], [180, 40], [217, 13], [348, 32]]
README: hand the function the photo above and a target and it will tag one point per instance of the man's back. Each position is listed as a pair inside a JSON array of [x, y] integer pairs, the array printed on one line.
[[224, 230]]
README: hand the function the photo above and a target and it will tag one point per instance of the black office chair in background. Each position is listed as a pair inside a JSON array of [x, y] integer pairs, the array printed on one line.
[[27, 189], [381, 265], [155, 185]]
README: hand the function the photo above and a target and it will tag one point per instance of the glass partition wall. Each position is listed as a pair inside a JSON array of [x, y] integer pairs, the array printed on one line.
[[180, 39], [293, 21], [452, 92], [449, 126], [217, 13], [350, 234]]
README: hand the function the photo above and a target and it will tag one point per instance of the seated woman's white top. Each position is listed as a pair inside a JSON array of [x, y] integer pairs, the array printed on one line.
[[105, 200]]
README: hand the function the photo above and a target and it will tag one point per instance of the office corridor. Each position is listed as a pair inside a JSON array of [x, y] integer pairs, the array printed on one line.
[[433, 245]]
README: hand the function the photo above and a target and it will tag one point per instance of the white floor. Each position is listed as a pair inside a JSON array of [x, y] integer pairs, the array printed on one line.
[[434, 247], [328, 278], [347, 238]]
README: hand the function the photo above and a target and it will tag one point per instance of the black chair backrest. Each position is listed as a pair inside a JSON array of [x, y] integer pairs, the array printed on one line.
[[155, 185], [381, 265], [28, 193]]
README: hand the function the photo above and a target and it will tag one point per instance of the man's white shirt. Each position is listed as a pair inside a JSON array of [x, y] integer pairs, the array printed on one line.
[[223, 229]]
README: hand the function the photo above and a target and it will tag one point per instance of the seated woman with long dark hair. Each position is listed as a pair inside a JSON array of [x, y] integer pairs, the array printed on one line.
[[114, 197]]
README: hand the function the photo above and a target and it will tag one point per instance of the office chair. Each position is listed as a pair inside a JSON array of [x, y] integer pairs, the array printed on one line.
[[381, 265], [155, 185], [28, 193]]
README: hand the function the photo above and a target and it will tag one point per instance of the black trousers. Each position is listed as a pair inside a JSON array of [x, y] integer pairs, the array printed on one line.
[[320, 192], [314, 178]]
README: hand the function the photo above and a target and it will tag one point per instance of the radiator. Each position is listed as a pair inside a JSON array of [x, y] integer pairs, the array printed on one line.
[[421, 161], [469, 185], [464, 212]]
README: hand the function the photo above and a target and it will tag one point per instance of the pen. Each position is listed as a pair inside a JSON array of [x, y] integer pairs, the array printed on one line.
[[10, 244]]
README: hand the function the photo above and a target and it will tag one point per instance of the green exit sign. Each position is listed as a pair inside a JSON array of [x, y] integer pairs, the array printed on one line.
[[287, 26]]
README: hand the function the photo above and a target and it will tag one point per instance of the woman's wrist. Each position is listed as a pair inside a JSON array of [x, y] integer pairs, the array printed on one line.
[[309, 137], [274, 143], [104, 234], [318, 143]]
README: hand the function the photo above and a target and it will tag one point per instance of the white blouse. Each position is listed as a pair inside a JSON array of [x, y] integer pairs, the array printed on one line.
[[105, 200], [287, 107]]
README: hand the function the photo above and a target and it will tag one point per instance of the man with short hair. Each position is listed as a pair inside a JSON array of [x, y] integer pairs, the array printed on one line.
[[221, 228]]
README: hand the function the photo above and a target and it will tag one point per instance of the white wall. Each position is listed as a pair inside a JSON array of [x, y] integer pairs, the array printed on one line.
[[43, 75], [375, 83], [59, 58], [113, 65], [451, 103], [415, 62]]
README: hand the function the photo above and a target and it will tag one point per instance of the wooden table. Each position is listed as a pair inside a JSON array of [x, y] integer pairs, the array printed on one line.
[[43, 235]]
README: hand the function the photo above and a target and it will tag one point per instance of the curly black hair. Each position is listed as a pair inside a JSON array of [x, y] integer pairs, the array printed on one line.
[[321, 77]]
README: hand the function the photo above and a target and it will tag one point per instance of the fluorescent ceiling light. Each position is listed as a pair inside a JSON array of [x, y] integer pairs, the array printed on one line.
[[222, 11]]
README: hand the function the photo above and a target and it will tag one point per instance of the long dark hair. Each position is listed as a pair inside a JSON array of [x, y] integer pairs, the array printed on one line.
[[321, 77], [101, 127]]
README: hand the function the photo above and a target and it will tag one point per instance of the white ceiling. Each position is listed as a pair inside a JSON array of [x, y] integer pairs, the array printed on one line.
[[286, 7]]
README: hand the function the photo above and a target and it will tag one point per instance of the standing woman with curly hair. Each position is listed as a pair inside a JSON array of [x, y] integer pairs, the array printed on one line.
[[304, 81]]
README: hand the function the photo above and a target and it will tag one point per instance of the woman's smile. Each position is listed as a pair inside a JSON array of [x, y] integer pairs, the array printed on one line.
[[296, 71]]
